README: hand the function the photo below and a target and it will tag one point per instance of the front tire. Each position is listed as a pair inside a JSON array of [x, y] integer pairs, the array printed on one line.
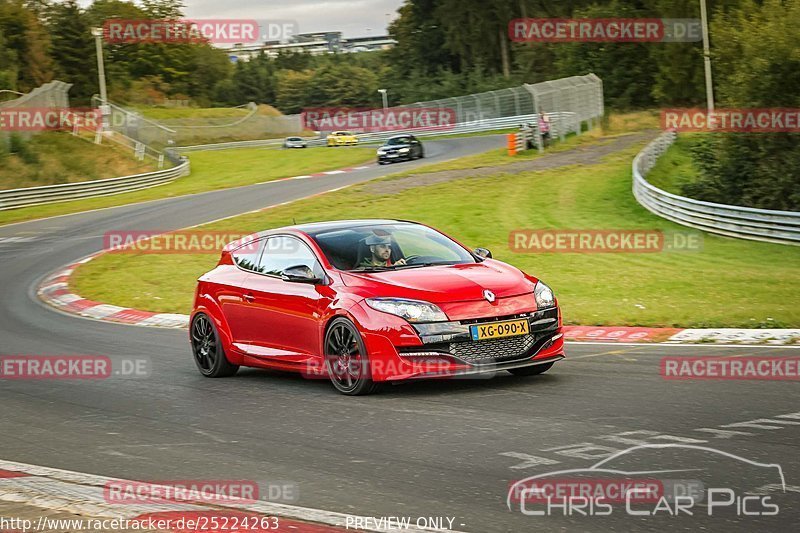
[[209, 356], [346, 359], [534, 370]]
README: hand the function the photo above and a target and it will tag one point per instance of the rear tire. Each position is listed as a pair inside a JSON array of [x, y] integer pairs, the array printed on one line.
[[534, 370], [346, 359], [209, 356]]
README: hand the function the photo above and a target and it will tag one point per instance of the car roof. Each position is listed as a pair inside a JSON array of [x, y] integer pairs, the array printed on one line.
[[334, 225]]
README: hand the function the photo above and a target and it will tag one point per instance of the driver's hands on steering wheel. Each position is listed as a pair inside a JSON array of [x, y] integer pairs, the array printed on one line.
[[400, 262]]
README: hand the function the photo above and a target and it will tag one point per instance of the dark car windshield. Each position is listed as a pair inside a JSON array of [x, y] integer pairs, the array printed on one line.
[[415, 245], [394, 141]]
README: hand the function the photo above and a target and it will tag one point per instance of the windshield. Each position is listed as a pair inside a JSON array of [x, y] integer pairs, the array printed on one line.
[[398, 140], [389, 247]]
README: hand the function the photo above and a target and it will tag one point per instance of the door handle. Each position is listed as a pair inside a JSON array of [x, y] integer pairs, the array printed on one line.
[[249, 298]]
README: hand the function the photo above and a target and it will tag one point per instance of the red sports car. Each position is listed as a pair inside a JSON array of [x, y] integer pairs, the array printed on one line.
[[368, 301]]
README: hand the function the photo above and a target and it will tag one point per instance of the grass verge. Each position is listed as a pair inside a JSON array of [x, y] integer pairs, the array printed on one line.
[[729, 282], [51, 158], [675, 168]]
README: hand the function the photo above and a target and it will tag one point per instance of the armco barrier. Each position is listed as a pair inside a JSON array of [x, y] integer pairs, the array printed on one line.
[[561, 123], [16, 198], [733, 221]]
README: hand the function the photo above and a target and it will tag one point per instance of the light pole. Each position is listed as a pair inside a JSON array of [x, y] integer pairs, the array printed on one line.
[[707, 57], [105, 110], [101, 71], [385, 99]]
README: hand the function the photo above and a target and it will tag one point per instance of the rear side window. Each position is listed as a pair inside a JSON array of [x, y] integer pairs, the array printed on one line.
[[283, 252], [247, 256]]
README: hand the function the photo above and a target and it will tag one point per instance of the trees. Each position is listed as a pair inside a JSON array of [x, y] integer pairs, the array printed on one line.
[[757, 64], [73, 50], [26, 37], [9, 67]]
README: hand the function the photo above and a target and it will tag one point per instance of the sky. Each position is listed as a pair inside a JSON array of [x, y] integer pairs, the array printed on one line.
[[354, 18]]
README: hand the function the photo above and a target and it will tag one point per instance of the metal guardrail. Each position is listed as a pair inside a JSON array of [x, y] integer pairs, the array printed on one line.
[[16, 198], [733, 221], [561, 124]]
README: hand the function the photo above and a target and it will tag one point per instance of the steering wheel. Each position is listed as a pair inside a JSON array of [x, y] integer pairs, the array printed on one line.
[[420, 259]]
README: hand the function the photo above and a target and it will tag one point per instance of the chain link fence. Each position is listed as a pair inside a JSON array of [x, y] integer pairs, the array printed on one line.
[[254, 122], [581, 95], [50, 95]]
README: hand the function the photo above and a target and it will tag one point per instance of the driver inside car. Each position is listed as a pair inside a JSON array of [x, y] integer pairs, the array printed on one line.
[[380, 255]]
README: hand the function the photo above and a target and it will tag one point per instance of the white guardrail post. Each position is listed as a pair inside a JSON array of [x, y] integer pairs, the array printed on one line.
[[781, 227]]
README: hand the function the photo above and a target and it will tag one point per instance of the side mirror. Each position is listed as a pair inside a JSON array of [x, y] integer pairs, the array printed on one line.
[[482, 252], [300, 274]]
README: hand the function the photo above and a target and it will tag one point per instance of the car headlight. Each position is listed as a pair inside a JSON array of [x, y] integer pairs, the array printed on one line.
[[411, 310], [544, 296], [381, 151], [404, 150]]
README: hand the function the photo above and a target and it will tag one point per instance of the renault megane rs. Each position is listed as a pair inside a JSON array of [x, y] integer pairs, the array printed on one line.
[[369, 301]]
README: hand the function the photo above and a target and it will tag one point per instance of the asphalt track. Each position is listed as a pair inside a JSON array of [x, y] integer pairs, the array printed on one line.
[[427, 449]]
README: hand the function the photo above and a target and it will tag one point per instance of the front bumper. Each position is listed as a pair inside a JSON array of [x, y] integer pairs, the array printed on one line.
[[386, 158], [400, 351]]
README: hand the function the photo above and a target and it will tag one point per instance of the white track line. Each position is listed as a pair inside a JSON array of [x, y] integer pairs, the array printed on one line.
[[64, 490]]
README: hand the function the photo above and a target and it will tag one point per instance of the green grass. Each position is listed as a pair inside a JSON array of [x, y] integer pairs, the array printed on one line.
[[213, 170], [675, 168], [171, 113], [729, 282], [174, 113], [55, 157]]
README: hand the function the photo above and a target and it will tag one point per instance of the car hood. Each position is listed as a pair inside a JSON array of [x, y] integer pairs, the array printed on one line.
[[394, 146], [442, 284]]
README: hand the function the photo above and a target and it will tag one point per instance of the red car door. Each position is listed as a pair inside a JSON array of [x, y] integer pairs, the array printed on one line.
[[230, 283], [284, 316]]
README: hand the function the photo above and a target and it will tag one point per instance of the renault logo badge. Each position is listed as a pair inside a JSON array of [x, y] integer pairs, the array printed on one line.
[[489, 295]]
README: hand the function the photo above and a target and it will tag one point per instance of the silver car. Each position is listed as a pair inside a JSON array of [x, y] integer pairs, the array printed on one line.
[[295, 142]]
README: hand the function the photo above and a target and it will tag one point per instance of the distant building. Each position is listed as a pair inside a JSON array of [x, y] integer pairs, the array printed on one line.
[[314, 43]]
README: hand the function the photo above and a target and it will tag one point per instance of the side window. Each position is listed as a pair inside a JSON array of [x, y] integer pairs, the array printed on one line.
[[281, 253], [247, 256]]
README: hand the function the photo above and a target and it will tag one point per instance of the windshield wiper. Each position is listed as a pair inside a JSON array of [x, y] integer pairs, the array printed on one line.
[[438, 263], [373, 269]]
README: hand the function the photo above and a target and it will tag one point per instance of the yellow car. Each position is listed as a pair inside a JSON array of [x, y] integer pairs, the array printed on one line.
[[342, 138]]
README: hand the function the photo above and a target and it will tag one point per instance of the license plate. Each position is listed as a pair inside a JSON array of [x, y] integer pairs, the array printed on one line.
[[392, 155], [496, 330]]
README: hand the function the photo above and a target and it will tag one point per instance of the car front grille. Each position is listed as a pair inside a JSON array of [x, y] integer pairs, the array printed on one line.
[[493, 350], [543, 330]]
